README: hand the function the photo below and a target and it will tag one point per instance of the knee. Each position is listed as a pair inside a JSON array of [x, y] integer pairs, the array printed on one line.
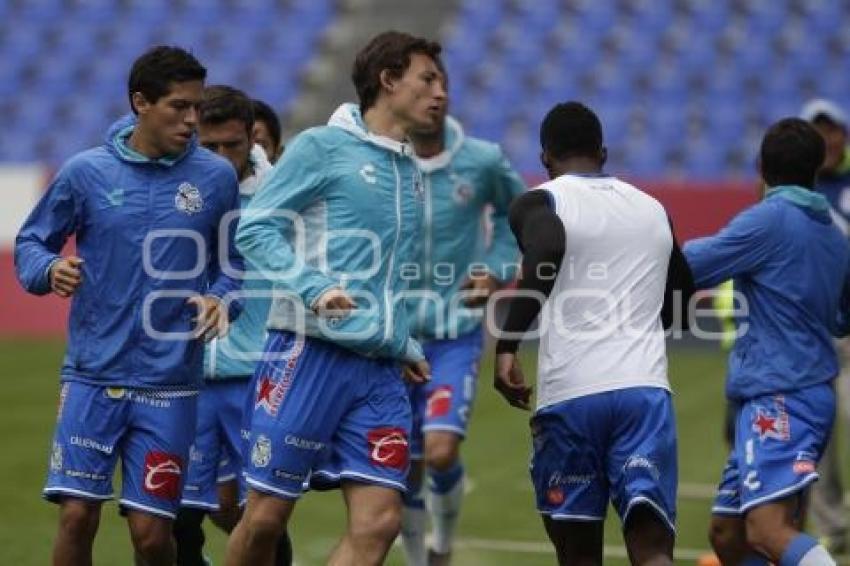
[[763, 536], [383, 525], [441, 455], [153, 539], [79, 519], [262, 528], [722, 535]]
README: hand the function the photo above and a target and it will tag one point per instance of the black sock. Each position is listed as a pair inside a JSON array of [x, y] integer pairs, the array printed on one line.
[[283, 553], [189, 536]]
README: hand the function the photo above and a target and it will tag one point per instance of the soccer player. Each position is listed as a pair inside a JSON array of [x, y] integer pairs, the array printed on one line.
[[463, 178], [226, 119], [329, 401], [601, 261], [147, 286], [790, 262], [266, 130]]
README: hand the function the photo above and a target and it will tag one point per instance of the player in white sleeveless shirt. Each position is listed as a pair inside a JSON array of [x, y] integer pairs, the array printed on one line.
[[601, 257]]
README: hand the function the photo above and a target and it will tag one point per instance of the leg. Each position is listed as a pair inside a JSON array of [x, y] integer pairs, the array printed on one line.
[[78, 522], [772, 531], [374, 521], [649, 540], [728, 537], [448, 402], [577, 543], [228, 506], [189, 536], [414, 519], [151, 537], [445, 495], [256, 536]]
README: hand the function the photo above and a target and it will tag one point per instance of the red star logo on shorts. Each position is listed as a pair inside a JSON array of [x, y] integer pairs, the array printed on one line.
[[264, 394], [764, 424]]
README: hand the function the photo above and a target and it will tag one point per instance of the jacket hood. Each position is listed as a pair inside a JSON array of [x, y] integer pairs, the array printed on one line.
[[260, 163], [453, 137], [348, 118], [811, 201], [116, 141]]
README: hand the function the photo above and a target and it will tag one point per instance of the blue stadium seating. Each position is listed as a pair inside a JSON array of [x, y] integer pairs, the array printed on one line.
[[64, 63], [683, 87]]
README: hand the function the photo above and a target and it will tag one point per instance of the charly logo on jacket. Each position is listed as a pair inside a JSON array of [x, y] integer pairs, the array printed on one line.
[[188, 198], [463, 192]]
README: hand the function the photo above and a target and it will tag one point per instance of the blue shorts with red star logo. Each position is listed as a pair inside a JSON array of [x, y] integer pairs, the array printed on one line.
[[323, 414], [779, 440], [616, 445], [445, 402]]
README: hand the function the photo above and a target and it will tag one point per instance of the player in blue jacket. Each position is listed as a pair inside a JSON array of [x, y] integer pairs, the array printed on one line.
[[790, 263], [331, 229], [147, 287], [464, 179]]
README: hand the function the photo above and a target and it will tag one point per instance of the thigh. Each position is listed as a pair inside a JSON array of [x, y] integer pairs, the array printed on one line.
[[371, 444], [298, 400], [90, 424], [567, 464], [156, 451], [779, 441], [642, 460], [450, 394], [199, 490]]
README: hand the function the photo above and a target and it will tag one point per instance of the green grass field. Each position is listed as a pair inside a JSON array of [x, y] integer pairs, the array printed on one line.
[[499, 525]]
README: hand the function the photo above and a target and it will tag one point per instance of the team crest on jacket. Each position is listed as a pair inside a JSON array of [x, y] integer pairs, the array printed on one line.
[[188, 199]]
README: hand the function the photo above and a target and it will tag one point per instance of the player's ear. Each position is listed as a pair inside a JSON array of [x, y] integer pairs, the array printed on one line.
[[139, 102], [387, 80], [603, 156]]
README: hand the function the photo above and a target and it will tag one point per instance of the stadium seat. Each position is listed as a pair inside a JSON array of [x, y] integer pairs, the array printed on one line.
[[51, 47]]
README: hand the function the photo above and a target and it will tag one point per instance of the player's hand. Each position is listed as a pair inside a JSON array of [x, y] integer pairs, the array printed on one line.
[[334, 303], [510, 381], [66, 275], [479, 288], [417, 372], [211, 321]]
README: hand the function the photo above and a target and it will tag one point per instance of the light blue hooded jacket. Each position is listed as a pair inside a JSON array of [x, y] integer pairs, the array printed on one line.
[[460, 183], [141, 226], [341, 209]]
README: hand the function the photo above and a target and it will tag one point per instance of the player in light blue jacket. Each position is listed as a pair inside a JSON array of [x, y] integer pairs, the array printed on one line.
[[331, 229], [147, 283], [791, 264], [465, 179]]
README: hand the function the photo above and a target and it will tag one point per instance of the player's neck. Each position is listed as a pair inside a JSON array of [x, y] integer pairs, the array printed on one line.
[[380, 120], [142, 143], [428, 145], [576, 166]]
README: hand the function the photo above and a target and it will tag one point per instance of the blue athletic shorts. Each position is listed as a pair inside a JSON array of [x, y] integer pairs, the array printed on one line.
[[779, 440], [618, 445], [445, 402], [323, 414], [216, 454], [150, 430]]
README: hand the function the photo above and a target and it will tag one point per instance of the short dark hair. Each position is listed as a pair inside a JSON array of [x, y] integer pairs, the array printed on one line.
[[792, 151], [154, 71], [264, 113], [571, 129], [390, 51], [222, 103]]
